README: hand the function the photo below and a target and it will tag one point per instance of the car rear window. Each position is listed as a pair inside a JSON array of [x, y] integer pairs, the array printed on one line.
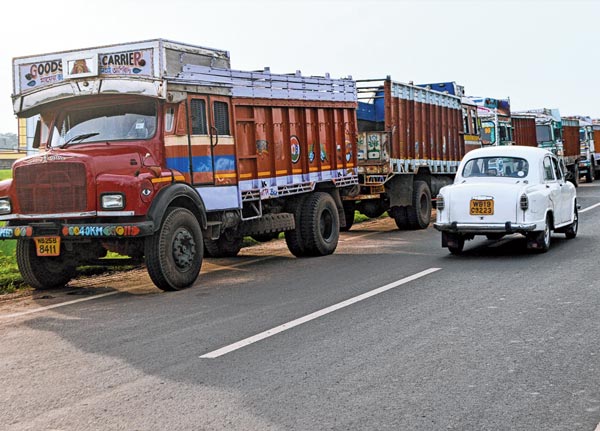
[[514, 167]]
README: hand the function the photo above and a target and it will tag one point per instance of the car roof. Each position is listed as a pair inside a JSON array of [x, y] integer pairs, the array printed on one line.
[[508, 151]]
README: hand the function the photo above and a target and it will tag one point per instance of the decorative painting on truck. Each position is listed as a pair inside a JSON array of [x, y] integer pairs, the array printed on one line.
[[130, 63]]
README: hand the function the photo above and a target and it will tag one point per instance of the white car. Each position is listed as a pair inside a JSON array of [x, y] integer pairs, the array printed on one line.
[[504, 190]]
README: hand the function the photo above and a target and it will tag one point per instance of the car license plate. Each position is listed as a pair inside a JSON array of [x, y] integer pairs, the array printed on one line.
[[482, 207], [47, 245]]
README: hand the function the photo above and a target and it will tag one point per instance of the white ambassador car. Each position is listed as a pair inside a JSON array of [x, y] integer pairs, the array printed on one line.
[[504, 190]]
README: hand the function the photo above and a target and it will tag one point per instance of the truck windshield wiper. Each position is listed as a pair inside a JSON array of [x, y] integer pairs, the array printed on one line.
[[79, 138]]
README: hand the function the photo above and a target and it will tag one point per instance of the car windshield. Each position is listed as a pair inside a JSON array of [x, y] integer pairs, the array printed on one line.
[[496, 167], [116, 122]]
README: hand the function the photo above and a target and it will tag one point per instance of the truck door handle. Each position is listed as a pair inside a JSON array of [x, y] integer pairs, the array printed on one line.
[[214, 132]]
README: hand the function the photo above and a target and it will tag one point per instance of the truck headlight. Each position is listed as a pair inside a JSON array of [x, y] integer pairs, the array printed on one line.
[[113, 201], [5, 206]]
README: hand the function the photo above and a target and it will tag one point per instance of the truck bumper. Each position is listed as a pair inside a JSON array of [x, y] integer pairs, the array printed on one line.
[[83, 230], [483, 228]]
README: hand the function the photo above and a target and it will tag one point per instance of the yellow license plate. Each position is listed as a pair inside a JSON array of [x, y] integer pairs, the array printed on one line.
[[47, 245], [481, 207]]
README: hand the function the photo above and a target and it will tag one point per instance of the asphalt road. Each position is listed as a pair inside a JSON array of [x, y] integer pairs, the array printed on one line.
[[390, 332]]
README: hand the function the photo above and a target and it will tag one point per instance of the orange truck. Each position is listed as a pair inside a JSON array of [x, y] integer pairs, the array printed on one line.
[[159, 151], [410, 142]]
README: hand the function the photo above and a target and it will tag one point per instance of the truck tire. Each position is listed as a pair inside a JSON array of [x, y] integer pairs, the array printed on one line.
[[372, 208], [590, 174], [419, 214], [320, 224], [43, 272], [174, 253], [265, 237], [228, 245], [575, 176], [293, 238], [349, 210], [400, 216]]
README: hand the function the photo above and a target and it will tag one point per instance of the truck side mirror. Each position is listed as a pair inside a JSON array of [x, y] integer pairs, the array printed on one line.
[[37, 137]]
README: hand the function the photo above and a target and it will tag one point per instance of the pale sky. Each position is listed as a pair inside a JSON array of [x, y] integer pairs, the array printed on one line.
[[539, 53]]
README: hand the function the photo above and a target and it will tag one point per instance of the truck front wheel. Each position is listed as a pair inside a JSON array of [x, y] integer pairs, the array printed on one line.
[[43, 272], [174, 253]]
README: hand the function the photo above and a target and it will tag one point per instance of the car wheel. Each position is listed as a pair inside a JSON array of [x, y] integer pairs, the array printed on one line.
[[540, 241], [571, 231], [456, 243]]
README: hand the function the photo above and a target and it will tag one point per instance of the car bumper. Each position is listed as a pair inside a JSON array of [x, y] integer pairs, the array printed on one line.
[[484, 228]]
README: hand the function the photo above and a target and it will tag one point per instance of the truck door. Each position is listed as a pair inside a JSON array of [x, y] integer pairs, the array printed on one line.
[[212, 149]]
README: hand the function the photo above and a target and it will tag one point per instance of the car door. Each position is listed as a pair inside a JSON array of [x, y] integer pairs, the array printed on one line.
[[566, 191], [553, 189]]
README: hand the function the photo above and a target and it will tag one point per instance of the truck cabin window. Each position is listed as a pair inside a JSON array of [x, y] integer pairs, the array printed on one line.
[[514, 167], [116, 122], [488, 133], [543, 133]]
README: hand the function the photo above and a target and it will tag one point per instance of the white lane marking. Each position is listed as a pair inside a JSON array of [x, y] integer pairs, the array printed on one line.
[[62, 304], [587, 209], [597, 428], [276, 330]]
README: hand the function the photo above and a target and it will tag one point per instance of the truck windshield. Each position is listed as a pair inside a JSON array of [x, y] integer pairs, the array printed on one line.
[[514, 167], [488, 133], [543, 133], [116, 122]]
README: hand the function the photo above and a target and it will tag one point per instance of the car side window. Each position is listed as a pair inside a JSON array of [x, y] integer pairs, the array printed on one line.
[[557, 170], [548, 170]]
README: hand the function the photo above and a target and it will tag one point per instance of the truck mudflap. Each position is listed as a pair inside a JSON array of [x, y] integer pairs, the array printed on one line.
[[79, 230]]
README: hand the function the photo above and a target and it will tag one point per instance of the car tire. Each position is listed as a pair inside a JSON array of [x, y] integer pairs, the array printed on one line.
[[571, 231], [456, 243], [540, 241]]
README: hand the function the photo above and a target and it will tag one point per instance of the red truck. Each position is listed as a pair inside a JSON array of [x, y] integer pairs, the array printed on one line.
[[158, 150], [410, 143]]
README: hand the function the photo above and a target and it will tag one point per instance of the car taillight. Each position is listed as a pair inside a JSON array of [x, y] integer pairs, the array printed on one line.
[[524, 202], [439, 202]]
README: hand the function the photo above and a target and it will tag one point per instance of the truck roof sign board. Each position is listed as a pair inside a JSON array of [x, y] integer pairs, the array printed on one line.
[[151, 59]]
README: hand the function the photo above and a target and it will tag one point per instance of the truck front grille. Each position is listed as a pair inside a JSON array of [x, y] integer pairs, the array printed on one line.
[[51, 188]]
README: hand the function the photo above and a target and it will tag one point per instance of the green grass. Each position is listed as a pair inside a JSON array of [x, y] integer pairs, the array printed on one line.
[[5, 173]]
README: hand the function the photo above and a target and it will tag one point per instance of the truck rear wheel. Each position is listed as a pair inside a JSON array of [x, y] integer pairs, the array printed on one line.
[[320, 224], [349, 210], [419, 214], [400, 216], [174, 254], [43, 272], [228, 245], [293, 238]]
